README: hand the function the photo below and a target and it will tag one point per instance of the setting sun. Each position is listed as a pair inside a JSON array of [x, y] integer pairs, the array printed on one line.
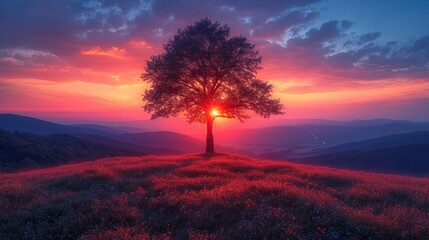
[[193, 119], [215, 112]]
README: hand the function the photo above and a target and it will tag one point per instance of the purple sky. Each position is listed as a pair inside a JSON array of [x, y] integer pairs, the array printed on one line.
[[326, 59]]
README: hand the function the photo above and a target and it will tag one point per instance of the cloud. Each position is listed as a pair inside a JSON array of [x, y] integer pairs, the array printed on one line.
[[40, 37], [304, 53], [11, 60], [327, 31], [368, 37], [382, 61], [319, 53], [24, 58], [139, 44], [50, 35], [275, 28], [74, 98], [110, 52], [26, 53], [59, 48]]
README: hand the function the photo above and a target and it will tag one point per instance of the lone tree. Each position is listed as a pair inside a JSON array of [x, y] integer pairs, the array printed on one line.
[[205, 74]]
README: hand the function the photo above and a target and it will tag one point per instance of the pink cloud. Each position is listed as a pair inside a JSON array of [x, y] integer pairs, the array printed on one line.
[[139, 44], [110, 52]]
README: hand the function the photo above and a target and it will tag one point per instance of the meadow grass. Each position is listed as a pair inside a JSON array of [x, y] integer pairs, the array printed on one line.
[[224, 196]]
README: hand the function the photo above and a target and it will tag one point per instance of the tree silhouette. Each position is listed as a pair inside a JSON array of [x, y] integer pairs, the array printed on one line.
[[205, 74]]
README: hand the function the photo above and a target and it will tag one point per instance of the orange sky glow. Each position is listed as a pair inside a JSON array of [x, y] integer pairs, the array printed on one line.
[[320, 69]]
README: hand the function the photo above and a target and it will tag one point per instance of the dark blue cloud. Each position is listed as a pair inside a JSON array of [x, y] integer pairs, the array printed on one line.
[[40, 25], [363, 59], [65, 28], [368, 37], [275, 28], [327, 31], [378, 61]]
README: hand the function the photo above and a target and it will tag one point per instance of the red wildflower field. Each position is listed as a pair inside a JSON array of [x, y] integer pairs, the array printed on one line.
[[222, 197]]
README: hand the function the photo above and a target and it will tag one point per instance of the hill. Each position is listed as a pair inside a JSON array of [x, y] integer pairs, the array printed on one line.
[[164, 141], [112, 130], [406, 160], [299, 140], [20, 150], [413, 138], [171, 140], [12, 122], [219, 197], [399, 154]]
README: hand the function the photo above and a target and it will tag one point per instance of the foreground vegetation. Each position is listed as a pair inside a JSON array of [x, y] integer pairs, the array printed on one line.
[[221, 197]]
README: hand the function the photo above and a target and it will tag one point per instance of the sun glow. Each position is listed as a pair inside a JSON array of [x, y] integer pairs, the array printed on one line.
[[214, 112]]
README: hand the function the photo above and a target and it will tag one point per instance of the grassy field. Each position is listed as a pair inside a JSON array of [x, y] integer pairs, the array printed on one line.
[[222, 197]]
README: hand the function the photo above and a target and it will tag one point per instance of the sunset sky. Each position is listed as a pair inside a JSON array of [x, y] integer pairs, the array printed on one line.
[[334, 59]]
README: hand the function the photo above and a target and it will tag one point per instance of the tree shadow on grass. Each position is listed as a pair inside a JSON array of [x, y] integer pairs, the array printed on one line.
[[209, 156]]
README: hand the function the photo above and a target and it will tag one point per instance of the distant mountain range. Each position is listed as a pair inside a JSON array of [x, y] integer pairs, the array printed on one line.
[[27, 142], [299, 140], [403, 159], [381, 145], [167, 141], [414, 138], [400, 154], [13, 122], [23, 150]]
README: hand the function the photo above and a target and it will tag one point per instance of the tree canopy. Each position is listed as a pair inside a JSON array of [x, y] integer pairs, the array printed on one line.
[[203, 69]]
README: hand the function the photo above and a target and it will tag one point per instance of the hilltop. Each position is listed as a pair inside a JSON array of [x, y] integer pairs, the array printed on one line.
[[198, 197]]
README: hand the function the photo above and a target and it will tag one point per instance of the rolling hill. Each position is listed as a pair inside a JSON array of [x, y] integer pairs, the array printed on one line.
[[371, 149], [12, 122], [210, 197], [112, 130], [299, 140], [294, 140], [169, 140], [21, 150], [413, 138], [406, 153], [405, 160], [163, 141]]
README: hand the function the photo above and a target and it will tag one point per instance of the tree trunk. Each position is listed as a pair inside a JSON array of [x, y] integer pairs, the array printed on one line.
[[209, 139]]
